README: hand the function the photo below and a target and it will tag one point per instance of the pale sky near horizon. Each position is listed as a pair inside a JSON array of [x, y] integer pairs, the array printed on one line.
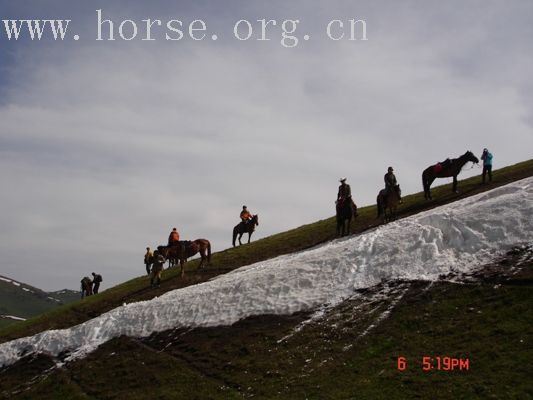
[[107, 145]]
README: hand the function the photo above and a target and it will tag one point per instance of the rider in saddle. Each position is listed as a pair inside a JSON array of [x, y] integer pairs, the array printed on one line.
[[390, 182], [345, 192], [245, 216], [174, 238]]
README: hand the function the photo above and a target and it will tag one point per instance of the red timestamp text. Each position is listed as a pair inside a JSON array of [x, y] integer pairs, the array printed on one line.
[[437, 363]]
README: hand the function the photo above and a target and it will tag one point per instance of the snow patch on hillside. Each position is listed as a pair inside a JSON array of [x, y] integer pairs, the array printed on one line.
[[454, 238]]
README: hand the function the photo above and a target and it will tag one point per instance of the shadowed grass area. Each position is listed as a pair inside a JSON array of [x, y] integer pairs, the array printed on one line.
[[283, 243], [350, 352]]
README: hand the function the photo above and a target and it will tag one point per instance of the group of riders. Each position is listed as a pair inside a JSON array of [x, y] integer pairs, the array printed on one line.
[[345, 192], [391, 194], [155, 260]]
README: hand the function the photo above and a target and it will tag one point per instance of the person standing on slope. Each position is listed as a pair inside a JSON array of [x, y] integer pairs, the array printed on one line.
[[487, 165], [148, 260], [97, 279], [157, 268]]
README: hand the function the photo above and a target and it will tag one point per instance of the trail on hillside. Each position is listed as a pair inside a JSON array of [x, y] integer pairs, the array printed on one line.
[[453, 238]]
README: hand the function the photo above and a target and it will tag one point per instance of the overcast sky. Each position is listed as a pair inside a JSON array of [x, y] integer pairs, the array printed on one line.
[[105, 146]]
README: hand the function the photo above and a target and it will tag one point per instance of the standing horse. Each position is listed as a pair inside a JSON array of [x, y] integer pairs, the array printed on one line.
[[242, 228], [445, 170], [345, 211], [389, 202], [186, 249]]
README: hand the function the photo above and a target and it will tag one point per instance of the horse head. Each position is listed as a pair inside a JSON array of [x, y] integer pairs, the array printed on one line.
[[469, 156], [255, 219], [163, 250]]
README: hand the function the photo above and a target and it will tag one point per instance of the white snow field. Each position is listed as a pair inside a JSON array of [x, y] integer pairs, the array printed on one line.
[[457, 237]]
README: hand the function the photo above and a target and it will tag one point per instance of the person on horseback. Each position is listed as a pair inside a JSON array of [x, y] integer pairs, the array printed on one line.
[[390, 182], [487, 165], [245, 216], [345, 192], [174, 238]]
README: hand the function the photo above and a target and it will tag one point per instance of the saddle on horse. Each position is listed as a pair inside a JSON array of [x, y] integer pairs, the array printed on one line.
[[442, 165]]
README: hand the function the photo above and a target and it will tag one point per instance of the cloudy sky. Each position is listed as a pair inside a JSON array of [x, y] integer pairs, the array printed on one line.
[[107, 145]]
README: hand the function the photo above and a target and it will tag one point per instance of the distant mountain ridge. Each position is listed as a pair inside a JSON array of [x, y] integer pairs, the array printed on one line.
[[20, 301]]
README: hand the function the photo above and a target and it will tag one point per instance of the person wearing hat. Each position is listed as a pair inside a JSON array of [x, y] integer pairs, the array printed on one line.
[[345, 192], [174, 238], [245, 215], [487, 165]]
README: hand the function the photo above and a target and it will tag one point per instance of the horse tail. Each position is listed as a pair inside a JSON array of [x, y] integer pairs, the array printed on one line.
[[425, 178], [380, 207], [235, 233], [208, 252]]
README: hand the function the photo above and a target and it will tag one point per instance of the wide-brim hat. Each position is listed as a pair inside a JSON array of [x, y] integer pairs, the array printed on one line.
[[342, 180]]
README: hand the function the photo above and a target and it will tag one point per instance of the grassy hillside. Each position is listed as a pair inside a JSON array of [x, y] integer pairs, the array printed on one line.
[[294, 240], [24, 301], [349, 352]]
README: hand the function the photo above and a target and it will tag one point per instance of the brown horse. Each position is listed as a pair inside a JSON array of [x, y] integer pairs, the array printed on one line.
[[345, 211], [242, 228], [389, 202], [446, 169], [187, 249]]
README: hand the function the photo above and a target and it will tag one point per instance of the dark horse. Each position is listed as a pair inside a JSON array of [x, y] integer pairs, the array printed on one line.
[[243, 228], [345, 211], [186, 249], [445, 170], [389, 202]]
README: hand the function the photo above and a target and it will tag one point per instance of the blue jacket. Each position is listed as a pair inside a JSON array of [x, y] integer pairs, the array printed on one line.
[[487, 159]]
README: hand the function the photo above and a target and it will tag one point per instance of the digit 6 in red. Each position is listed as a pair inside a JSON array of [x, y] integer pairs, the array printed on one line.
[[402, 363]]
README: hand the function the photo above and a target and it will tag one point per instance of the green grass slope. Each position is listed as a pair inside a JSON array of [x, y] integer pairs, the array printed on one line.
[[24, 301], [283, 243], [350, 352]]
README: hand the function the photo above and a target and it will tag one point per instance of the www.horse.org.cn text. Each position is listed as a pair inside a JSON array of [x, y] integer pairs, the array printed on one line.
[[287, 32]]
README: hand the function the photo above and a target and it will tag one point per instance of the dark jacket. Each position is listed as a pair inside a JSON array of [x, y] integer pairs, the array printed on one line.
[[345, 192], [390, 180]]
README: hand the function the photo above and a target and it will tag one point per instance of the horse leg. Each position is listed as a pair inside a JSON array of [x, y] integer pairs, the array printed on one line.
[[455, 184], [249, 236], [429, 182], [182, 262], [240, 237], [202, 255], [348, 231]]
